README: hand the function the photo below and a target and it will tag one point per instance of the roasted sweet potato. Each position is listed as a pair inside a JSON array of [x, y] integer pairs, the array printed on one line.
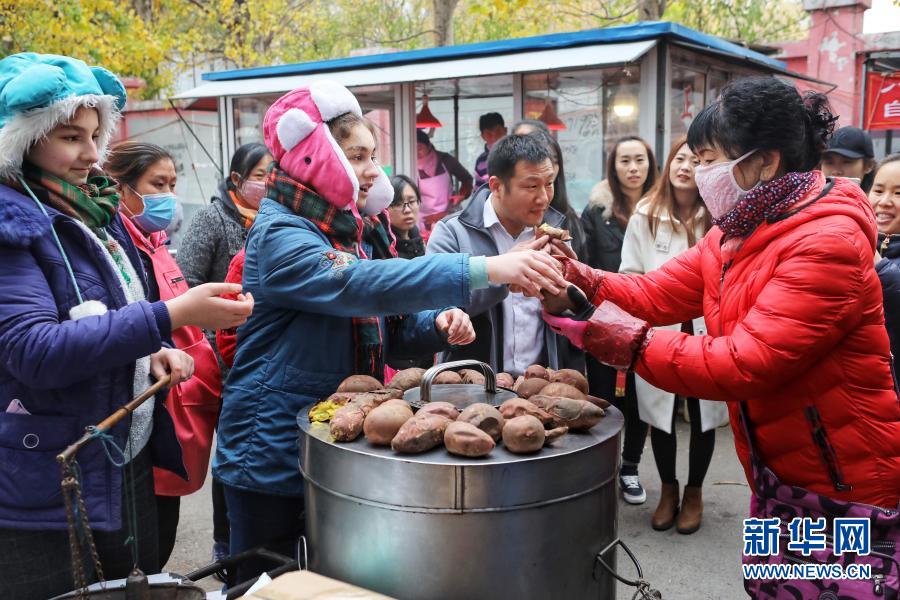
[[383, 422], [466, 439], [472, 376], [523, 435], [407, 379], [447, 377], [555, 233], [323, 411], [485, 417], [551, 435], [530, 387], [537, 371], [563, 390], [421, 433], [347, 422], [516, 407], [568, 412], [359, 383], [604, 404], [445, 409], [571, 377], [505, 380]]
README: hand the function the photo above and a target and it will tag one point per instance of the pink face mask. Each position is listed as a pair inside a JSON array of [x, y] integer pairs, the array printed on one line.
[[718, 187], [252, 193]]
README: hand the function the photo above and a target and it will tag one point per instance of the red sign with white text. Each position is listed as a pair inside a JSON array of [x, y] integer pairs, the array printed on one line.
[[882, 101]]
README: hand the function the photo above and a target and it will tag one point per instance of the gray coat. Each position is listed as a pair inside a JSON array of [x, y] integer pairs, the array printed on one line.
[[215, 235], [465, 232]]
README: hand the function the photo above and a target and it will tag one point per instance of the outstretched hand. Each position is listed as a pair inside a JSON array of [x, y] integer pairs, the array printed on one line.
[[202, 306], [527, 271], [457, 326]]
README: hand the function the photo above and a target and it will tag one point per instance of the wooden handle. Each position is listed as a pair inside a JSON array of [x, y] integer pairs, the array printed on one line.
[[114, 418]]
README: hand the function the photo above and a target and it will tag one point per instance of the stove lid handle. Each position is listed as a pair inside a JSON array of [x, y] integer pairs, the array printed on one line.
[[490, 380]]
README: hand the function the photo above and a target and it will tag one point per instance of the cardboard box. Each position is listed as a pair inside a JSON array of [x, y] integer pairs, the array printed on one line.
[[306, 585]]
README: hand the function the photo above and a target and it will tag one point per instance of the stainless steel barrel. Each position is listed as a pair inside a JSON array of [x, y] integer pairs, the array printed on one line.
[[435, 526]]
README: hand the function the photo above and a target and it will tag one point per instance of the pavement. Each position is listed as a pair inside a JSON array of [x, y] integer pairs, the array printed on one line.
[[704, 565]]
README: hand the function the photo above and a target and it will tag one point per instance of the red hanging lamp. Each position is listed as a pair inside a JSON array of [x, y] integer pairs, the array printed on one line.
[[425, 119], [549, 116]]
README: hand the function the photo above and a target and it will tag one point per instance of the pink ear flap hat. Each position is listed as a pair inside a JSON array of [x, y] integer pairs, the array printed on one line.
[[296, 132]]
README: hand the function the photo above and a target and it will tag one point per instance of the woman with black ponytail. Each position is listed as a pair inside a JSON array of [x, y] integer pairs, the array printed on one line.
[[796, 342]]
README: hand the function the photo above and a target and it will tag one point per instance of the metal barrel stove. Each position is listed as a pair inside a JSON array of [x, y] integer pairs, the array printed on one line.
[[434, 526]]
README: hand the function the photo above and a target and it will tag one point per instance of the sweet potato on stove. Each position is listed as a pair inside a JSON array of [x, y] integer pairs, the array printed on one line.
[[537, 371], [472, 376], [530, 387], [571, 377], [465, 439], [359, 383], [421, 433], [407, 379], [523, 435], [347, 422], [517, 407], [551, 435], [445, 409], [568, 412], [505, 380], [485, 417], [563, 390], [604, 404], [383, 422], [447, 377], [323, 411]]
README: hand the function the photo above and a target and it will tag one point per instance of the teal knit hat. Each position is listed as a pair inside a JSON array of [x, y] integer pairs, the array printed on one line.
[[38, 92]]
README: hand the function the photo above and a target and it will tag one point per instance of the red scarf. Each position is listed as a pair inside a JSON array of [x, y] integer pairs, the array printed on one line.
[[765, 202]]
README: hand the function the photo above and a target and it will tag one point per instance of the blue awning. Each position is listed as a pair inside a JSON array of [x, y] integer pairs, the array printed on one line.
[[609, 35]]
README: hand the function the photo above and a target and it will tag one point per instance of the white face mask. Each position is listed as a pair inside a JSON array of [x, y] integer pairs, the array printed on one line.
[[718, 187]]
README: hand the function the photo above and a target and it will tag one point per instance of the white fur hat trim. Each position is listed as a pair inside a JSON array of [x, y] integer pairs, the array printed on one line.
[[332, 99], [26, 129], [293, 127]]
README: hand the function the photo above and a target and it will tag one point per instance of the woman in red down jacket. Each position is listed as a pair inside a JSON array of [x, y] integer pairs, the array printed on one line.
[[787, 286]]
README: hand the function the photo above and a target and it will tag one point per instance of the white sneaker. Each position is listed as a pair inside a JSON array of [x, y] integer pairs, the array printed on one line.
[[632, 491]]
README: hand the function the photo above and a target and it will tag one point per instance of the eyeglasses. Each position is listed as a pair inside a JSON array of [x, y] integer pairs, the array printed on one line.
[[408, 204]]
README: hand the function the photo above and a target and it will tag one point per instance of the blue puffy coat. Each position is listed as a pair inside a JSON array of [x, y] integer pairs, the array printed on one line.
[[297, 346], [67, 374]]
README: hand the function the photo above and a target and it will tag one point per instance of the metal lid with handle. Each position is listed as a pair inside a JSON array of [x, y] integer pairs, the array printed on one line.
[[459, 395]]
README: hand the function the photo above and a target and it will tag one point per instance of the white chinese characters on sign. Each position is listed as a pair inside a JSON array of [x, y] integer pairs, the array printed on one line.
[[892, 110]]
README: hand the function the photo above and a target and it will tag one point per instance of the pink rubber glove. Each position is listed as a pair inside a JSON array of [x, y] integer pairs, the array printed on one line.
[[572, 329]]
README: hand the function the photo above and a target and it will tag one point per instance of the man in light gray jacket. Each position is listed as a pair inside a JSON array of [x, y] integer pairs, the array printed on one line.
[[500, 218]]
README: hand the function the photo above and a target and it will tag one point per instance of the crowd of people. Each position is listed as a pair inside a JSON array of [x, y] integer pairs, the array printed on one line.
[[749, 281]]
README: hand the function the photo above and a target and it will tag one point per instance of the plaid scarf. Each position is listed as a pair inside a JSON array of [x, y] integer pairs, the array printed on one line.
[[345, 231], [94, 203], [765, 202]]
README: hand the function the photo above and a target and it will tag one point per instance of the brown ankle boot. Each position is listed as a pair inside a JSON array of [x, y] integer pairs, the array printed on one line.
[[691, 510], [664, 517]]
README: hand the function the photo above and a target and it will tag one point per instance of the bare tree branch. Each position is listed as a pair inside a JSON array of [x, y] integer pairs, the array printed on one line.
[[403, 39]]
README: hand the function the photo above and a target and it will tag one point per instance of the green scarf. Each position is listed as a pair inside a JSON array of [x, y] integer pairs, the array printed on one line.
[[94, 202]]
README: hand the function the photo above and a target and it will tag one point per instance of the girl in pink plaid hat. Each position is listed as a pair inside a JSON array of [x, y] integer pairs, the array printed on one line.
[[324, 308]]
